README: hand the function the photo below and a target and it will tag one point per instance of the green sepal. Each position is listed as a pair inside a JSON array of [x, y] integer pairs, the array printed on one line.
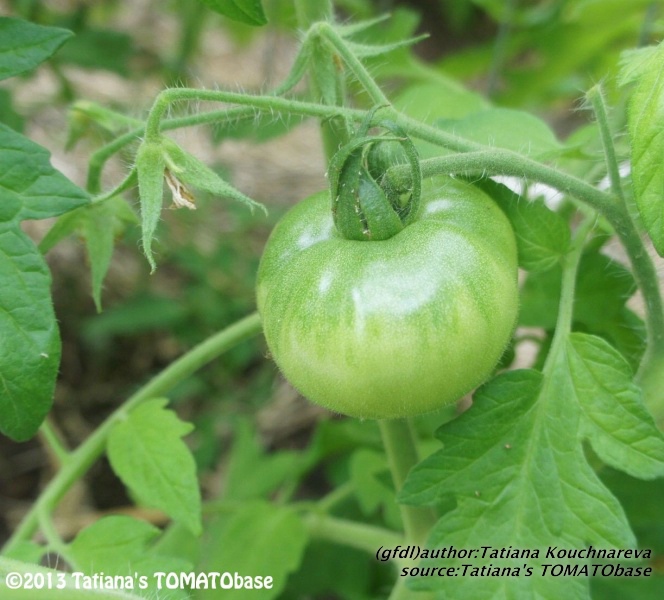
[[163, 159], [364, 205], [345, 188], [349, 182], [408, 153], [381, 219], [350, 29], [373, 50], [150, 165], [192, 172]]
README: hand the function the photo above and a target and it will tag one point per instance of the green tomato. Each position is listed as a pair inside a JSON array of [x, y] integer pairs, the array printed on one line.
[[391, 328]]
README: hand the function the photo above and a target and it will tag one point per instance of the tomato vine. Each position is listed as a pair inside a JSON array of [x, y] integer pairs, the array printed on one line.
[[374, 201]]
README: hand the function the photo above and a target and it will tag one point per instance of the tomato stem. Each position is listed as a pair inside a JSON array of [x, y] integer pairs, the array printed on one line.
[[367, 538], [596, 97], [377, 96], [570, 264], [402, 455]]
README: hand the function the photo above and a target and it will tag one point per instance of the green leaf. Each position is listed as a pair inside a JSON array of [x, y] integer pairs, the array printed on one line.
[[99, 49], [24, 45], [431, 101], [516, 464], [603, 287], [368, 469], [112, 543], [646, 129], [251, 473], [99, 224], [30, 348], [614, 418], [634, 63], [30, 188], [120, 545], [354, 576], [507, 128], [245, 11], [146, 452], [642, 502], [439, 100], [26, 551], [542, 236], [272, 539]]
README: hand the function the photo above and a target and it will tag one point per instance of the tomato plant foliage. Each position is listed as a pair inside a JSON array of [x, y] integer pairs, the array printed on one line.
[[474, 293]]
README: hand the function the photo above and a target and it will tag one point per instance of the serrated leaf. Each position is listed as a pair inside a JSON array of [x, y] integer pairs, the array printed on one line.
[[272, 538], [245, 11], [646, 129], [371, 479], [371, 492], [542, 236], [112, 543], [30, 188], [121, 545], [146, 452], [633, 63], [614, 418], [252, 473], [24, 45], [99, 224], [507, 128], [515, 463], [603, 287]]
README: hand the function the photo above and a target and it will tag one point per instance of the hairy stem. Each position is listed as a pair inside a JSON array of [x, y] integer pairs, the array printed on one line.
[[54, 442], [402, 456], [81, 459], [367, 538], [570, 263], [265, 103], [596, 97], [326, 31]]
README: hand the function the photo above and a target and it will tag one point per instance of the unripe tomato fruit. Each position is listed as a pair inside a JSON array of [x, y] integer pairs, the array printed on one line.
[[392, 328]]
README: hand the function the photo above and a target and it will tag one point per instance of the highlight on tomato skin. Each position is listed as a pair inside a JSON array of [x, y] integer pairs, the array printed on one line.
[[391, 328]]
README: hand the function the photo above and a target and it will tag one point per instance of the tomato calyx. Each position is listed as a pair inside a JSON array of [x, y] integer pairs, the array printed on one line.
[[365, 207]]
